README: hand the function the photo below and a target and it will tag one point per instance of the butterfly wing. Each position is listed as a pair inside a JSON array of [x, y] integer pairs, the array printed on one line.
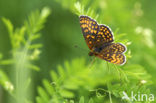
[[104, 36], [89, 29], [113, 53], [95, 35], [100, 36]]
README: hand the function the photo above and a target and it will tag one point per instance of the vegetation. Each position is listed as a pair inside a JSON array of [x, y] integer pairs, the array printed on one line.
[[39, 64]]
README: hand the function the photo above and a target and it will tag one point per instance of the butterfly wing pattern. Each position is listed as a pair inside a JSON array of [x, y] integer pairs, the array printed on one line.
[[99, 39], [94, 34], [89, 29], [113, 53]]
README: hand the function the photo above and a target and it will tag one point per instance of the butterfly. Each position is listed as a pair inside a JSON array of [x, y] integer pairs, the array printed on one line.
[[99, 39]]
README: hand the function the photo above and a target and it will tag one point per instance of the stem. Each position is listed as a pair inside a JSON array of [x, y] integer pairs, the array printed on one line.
[[110, 97], [118, 72], [21, 72], [108, 67], [121, 71]]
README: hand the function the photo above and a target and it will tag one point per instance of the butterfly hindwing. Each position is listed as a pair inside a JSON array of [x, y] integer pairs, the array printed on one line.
[[113, 53], [117, 48]]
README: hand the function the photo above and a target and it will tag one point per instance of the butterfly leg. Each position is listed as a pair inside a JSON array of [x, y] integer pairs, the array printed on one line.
[[108, 67], [92, 61], [119, 73]]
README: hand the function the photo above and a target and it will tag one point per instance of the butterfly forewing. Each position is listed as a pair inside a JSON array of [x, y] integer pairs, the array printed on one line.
[[104, 36], [89, 29], [94, 34]]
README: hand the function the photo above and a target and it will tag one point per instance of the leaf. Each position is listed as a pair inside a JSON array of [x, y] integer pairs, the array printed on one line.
[[5, 83], [91, 100], [81, 100], [3, 78], [66, 93], [9, 26], [6, 62], [61, 72], [137, 71], [43, 94], [48, 87], [54, 76], [35, 46], [39, 100], [71, 101], [34, 67], [34, 37]]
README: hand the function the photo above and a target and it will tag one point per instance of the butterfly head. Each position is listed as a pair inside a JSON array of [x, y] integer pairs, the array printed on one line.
[[95, 51]]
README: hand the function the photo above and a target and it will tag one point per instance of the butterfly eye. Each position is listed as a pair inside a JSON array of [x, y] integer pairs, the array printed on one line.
[[100, 48], [91, 53]]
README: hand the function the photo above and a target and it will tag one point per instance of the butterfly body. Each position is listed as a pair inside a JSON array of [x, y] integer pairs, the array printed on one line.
[[96, 50], [99, 39]]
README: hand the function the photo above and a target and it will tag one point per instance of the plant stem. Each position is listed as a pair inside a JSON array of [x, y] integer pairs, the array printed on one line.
[[21, 72], [108, 67], [110, 97]]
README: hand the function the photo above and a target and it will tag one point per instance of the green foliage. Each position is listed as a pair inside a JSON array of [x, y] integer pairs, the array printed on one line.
[[22, 39], [125, 15], [25, 50], [78, 80], [96, 81], [4, 79], [5, 82]]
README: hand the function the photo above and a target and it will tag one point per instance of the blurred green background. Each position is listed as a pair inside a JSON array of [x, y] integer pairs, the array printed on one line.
[[61, 32]]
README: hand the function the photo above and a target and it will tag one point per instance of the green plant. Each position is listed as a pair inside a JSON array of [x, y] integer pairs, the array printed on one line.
[[4, 79], [25, 50], [77, 79], [104, 81]]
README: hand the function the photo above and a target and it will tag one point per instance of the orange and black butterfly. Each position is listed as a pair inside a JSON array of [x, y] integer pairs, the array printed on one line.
[[99, 39]]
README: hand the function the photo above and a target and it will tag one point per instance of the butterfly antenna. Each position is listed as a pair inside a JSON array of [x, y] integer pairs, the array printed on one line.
[[76, 46], [91, 60]]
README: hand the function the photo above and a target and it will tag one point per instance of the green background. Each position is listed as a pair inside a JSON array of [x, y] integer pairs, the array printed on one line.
[[62, 32]]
